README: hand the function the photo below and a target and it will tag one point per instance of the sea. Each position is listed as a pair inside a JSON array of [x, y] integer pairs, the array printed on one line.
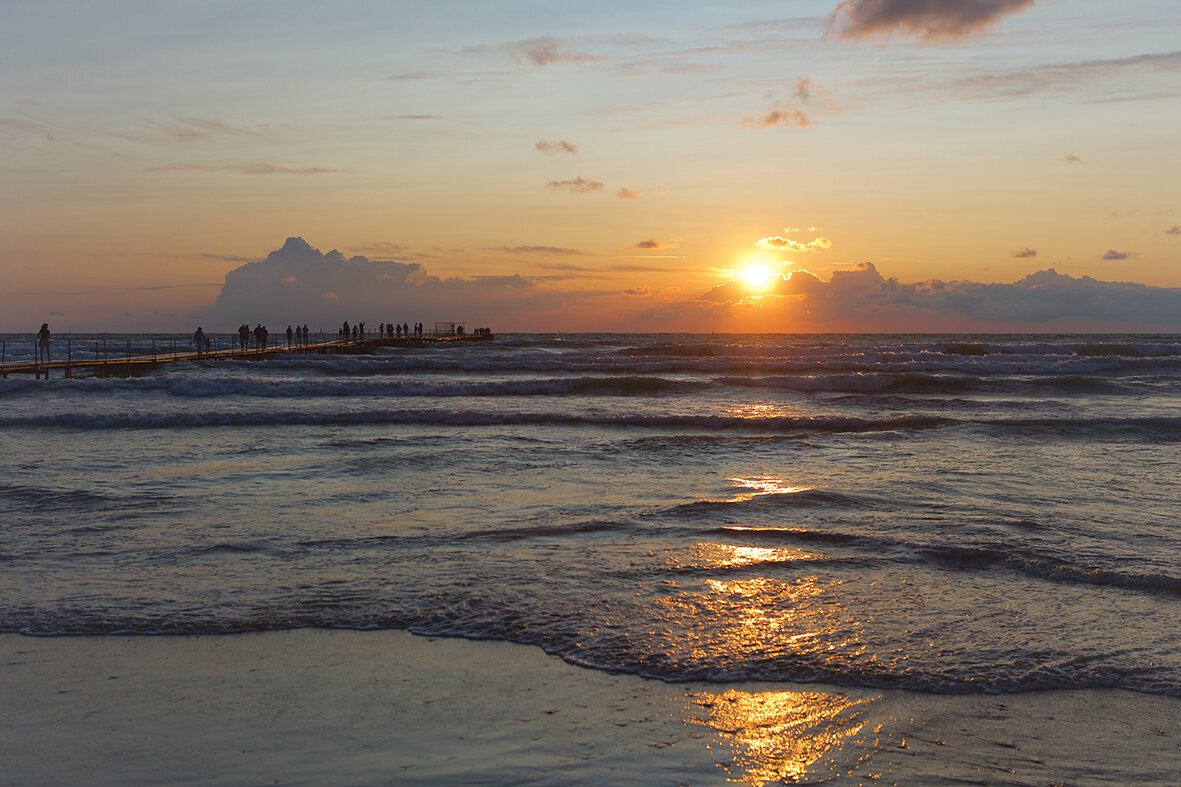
[[947, 514]]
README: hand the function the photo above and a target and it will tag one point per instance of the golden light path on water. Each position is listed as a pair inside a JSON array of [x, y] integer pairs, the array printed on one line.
[[776, 736]]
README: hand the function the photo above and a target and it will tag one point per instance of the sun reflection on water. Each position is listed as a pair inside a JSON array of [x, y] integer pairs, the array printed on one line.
[[757, 486], [776, 735]]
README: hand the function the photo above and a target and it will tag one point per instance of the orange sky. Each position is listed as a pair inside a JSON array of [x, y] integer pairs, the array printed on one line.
[[624, 161]]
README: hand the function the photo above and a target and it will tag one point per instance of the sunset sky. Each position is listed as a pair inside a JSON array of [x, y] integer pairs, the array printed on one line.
[[890, 164]]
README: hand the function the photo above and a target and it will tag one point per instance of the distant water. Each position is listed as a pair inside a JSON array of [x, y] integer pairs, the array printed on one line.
[[948, 514]]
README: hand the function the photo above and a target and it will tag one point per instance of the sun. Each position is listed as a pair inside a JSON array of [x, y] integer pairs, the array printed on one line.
[[756, 275]]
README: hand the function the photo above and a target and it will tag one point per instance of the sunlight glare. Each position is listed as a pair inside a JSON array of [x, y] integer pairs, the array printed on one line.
[[757, 275]]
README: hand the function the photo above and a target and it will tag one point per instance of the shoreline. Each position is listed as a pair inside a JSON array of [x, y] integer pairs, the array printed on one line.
[[374, 707]]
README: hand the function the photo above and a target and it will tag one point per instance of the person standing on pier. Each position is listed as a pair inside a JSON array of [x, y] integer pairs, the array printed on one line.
[[199, 341], [43, 342], [290, 334]]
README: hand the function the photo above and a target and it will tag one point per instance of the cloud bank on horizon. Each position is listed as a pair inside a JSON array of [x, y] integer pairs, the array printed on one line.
[[298, 283]]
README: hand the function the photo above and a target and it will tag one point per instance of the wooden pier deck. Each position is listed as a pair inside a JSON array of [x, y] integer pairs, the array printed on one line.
[[118, 363]]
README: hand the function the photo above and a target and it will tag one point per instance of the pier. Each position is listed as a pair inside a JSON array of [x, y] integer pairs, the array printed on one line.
[[108, 359]]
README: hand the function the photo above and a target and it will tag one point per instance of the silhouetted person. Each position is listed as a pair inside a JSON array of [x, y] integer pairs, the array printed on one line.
[[199, 340], [244, 336], [305, 335], [290, 333], [43, 342]]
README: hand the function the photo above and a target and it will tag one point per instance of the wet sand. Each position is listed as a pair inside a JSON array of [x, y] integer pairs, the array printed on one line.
[[387, 707]]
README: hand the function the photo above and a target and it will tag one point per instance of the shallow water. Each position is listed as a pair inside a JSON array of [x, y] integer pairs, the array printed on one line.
[[949, 514]]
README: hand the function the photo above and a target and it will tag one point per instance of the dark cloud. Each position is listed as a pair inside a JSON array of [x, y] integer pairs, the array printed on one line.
[[551, 148], [551, 250], [652, 243], [924, 19], [1026, 252], [1112, 254], [53, 313], [580, 185], [299, 283], [862, 299], [1174, 230]]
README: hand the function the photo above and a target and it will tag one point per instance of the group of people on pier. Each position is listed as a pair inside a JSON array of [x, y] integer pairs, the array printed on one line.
[[386, 330], [395, 331], [296, 337]]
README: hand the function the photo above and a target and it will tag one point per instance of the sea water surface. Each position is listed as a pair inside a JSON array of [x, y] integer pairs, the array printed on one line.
[[935, 513]]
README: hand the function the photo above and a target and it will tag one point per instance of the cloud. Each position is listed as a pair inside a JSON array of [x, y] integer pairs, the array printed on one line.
[[1072, 159], [580, 185], [1174, 230], [792, 118], [777, 243], [191, 129], [625, 193], [225, 257], [23, 127], [1071, 76], [862, 299], [551, 250], [803, 89], [1026, 252], [639, 292], [329, 288], [543, 52], [245, 169], [652, 243], [551, 148], [1112, 254], [411, 76], [927, 20], [53, 313]]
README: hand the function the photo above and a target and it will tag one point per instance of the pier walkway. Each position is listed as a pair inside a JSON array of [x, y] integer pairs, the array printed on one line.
[[103, 360]]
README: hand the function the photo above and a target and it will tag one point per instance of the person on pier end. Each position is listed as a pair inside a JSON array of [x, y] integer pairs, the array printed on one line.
[[290, 334], [199, 340], [43, 342]]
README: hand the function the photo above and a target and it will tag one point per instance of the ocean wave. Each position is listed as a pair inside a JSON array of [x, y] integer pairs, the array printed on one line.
[[1018, 673], [807, 498], [1046, 567], [435, 417], [269, 388]]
